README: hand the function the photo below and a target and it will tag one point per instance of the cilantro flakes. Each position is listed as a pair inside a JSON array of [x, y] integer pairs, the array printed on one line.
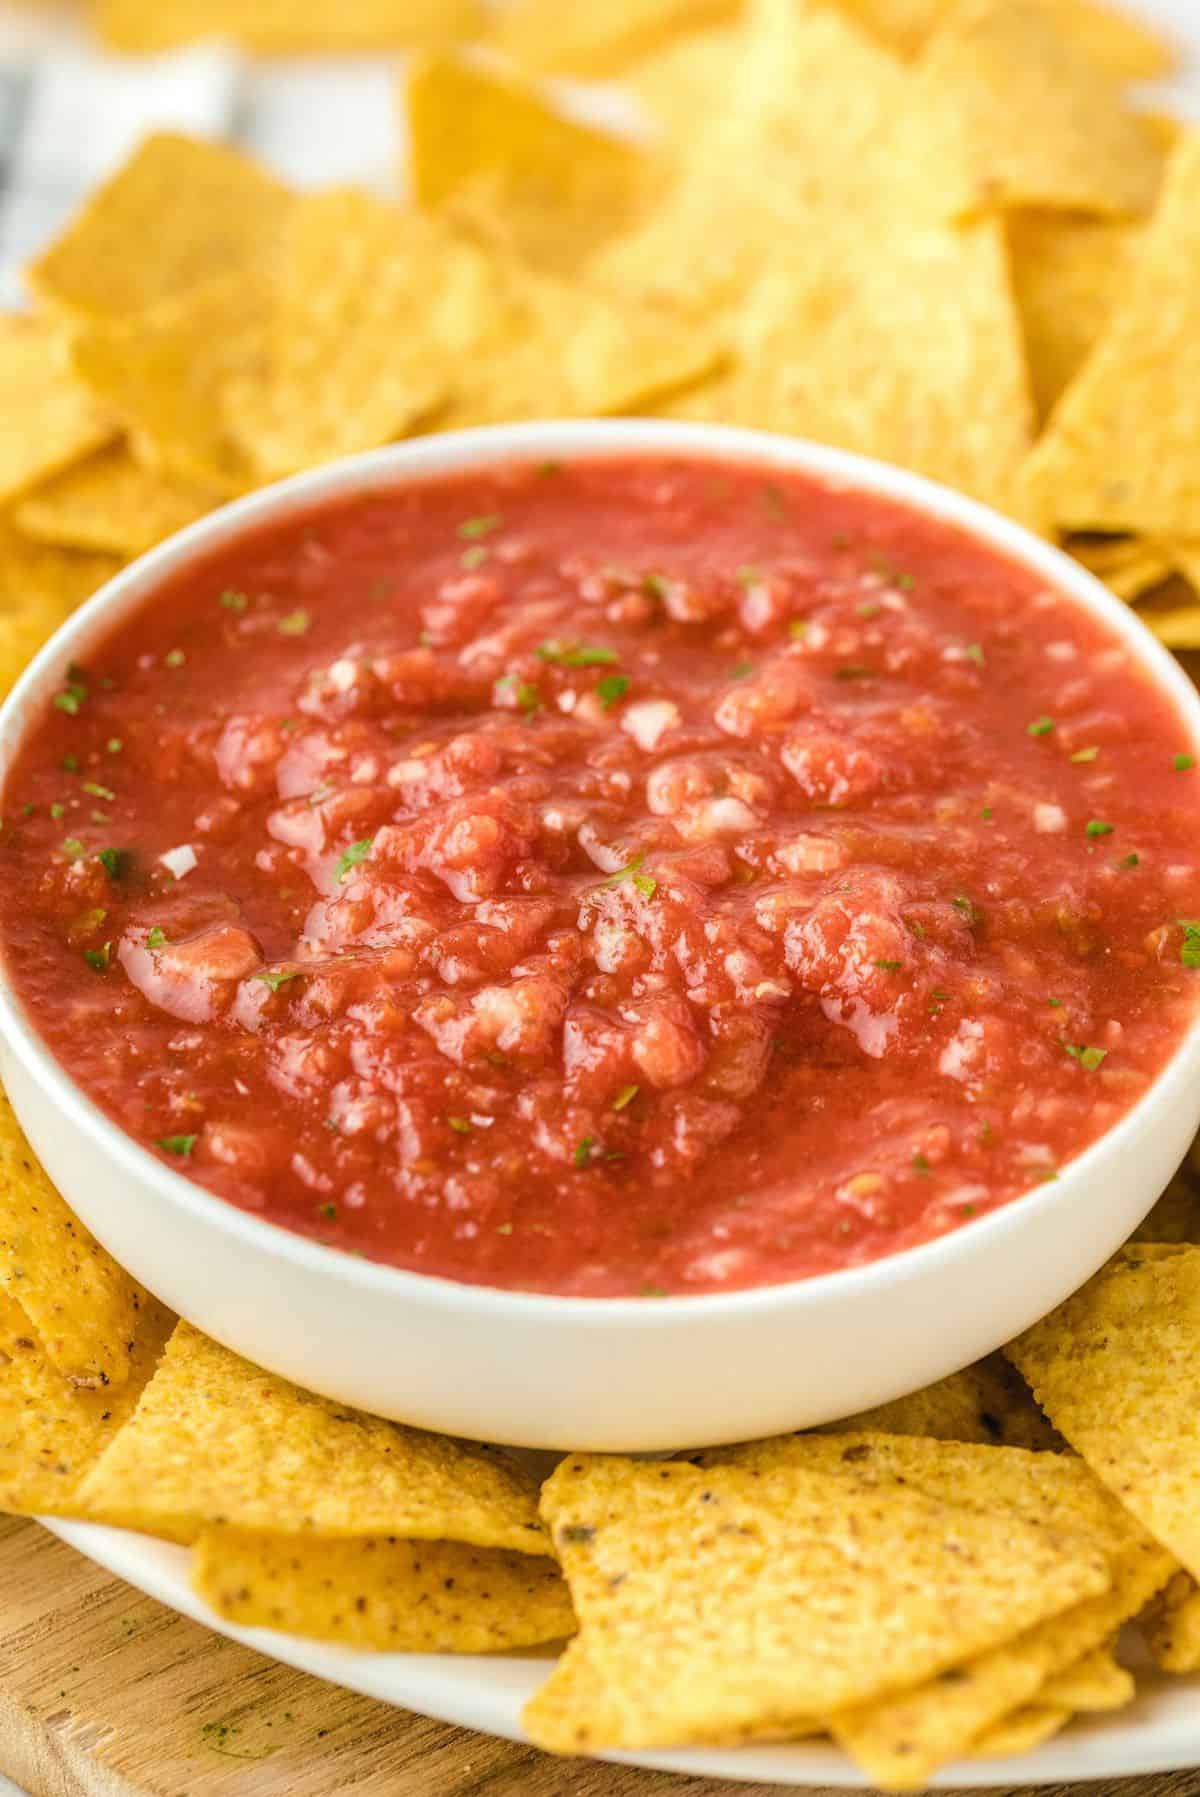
[[71, 698], [644, 883], [461, 1124], [576, 655], [232, 601], [113, 862], [180, 1145], [797, 629], [1090, 1058], [73, 849], [1182, 763], [114, 745], [1133, 860], [473, 528], [1096, 827], [96, 791], [888, 966], [70, 764], [1189, 954], [974, 652], [920, 1164], [1040, 727], [351, 857], [276, 980], [56, 811], [611, 689], [98, 958], [741, 670], [1083, 755], [156, 937], [294, 623], [174, 658], [584, 1150], [473, 558]]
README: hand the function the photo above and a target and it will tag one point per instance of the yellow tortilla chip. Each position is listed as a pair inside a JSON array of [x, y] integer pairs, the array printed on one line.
[[1184, 556], [50, 1430], [1121, 452], [82, 1304], [712, 1600], [1095, 1682], [384, 1595], [216, 1440], [685, 80], [1117, 1370], [1113, 39], [514, 168], [901, 1740], [596, 40], [1021, 1732], [50, 418], [1171, 1627], [356, 350], [1175, 1218], [287, 27], [167, 373], [1068, 271], [1128, 566], [109, 502], [1174, 617], [181, 211], [988, 1403], [1010, 113]]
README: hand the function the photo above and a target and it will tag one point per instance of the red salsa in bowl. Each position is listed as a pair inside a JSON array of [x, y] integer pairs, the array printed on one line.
[[609, 878]]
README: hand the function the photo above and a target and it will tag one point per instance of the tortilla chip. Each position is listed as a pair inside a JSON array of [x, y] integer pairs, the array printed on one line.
[[685, 80], [1115, 40], [1068, 271], [515, 169], [901, 1740], [51, 1431], [1021, 1732], [1117, 1369], [384, 1595], [1171, 1626], [1128, 566], [712, 1600], [167, 373], [287, 27], [1011, 114], [1121, 452], [356, 354], [1173, 614], [1175, 1218], [50, 418], [181, 211], [216, 1440], [109, 502], [82, 1304], [596, 40], [1094, 1683], [764, 164], [1184, 556], [988, 1403]]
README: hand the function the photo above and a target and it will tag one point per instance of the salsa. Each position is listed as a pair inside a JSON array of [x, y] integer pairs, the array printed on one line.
[[627, 877]]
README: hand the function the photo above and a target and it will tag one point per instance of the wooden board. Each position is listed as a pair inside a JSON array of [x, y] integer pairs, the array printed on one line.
[[103, 1693]]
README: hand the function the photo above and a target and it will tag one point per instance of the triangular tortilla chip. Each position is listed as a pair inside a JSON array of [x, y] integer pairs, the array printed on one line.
[[216, 1440], [714, 1600], [1117, 42], [178, 213], [109, 503], [988, 1402], [287, 27], [50, 418], [1094, 1682], [1069, 272], [1117, 1370], [384, 1595], [593, 40], [1171, 1626]]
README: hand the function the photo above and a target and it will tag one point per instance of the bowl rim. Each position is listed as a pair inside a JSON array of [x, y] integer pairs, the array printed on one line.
[[424, 458]]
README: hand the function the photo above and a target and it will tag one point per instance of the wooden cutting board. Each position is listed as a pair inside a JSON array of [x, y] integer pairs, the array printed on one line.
[[103, 1693]]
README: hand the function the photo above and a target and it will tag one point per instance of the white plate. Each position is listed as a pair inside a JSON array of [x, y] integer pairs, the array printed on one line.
[[1160, 1732]]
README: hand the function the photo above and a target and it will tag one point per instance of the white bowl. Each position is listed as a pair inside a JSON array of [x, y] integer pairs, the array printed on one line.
[[604, 1373]]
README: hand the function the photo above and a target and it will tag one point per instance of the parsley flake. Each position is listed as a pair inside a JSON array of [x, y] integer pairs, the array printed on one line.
[[1096, 828], [276, 980], [114, 745], [473, 528], [612, 688], [583, 1151], [113, 862], [358, 851], [1189, 954], [1129, 861], [888, 966], [1091, 1058], [1183, 762], [473, 558], [294, 623], [96, 791], [1040, 727], [56, 811], [797, 628], [645, 885], [328, 1211], [233, 601], [741, 670], [174, 658], [180, 1145], [98, 958], [974, 652], [1088, 754], [461, 1124], [577, 655], [73, 849], [156, 937], [920, 1164], [71, 698]]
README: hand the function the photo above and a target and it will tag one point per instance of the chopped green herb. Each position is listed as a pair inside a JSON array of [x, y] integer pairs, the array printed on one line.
[[797, 628], [868, 608], [578, 655], [645, 885], [583, 1151], [741, 670], [625, 1097], [233, 601], [654, 586], [974, 652], [70, 764], [969, 909], [174, 658], [471, 528], [98, 958], [504, 1228], [276, 980], [1096, 828], [643, 882], [545, 469], [73, 849], [987, 814], [1089, 754], [920, 1164], [156, 937], [1183, 763], [1040, 726], [528, 697], [941, 996], [1091, 1058], [1189, 954], [328, 1210], [1046, 1175], [1056, 1002], [474, 557], [358, 851], [651, 1291], [71, 698], [56, 811], [114, 745], [612, 688], [181, 1145], [294, 623], [461, 1124], [97, 791], [1133, 860], [853, 673], [966, 1210], [889, 966], [28, 810], [113, 862], [100, 817]]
